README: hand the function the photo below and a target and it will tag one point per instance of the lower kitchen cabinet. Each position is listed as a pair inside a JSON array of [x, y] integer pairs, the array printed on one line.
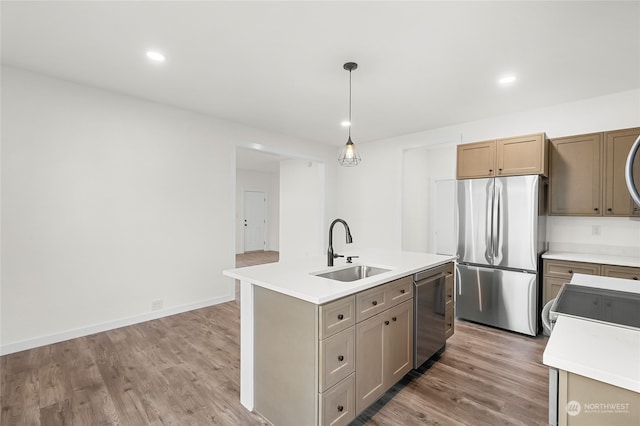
[[558, 272], [385, 352], [324, 364], [586, 402]]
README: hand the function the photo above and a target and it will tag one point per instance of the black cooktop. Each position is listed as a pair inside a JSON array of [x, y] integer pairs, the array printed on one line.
[[599, 304]]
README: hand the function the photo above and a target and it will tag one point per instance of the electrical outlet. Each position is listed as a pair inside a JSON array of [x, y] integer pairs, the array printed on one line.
[[156, 305], [595, 230]]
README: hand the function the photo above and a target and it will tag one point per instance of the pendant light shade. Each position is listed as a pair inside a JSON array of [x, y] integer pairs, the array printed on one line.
[[349, 157]]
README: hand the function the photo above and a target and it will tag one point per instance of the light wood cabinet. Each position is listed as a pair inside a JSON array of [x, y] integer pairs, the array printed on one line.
[[476, 160], [617, 200], [385, 352], [574, 182], [521, 155], [558, 272], [626, 272], [587, 174]]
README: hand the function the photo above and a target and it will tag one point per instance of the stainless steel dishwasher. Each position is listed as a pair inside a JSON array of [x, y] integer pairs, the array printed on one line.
[[428, 313]]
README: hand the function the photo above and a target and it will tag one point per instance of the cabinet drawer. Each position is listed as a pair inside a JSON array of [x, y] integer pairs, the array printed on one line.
[[448, 322], [399, 290], [337, 358], [371, 302], [337, 405], [562, 269], [626, 272], [337, 316]]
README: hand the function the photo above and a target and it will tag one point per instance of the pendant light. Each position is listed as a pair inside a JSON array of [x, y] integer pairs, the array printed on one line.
[[349, 157]]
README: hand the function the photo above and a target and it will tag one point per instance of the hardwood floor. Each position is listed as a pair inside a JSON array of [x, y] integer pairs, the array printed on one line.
[[184, 370]]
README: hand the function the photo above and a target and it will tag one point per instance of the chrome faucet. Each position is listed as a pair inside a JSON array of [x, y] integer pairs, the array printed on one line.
[[330, 254]]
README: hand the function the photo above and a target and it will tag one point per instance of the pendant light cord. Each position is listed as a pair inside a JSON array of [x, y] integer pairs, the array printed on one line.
[[349, 104]]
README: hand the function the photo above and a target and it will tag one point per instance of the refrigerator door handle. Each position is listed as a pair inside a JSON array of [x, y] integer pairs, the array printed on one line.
[[498, 225], [488, 254]]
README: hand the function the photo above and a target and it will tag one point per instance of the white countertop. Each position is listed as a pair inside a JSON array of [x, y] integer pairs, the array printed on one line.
[[600, 351], [294, 278], [605, 259]]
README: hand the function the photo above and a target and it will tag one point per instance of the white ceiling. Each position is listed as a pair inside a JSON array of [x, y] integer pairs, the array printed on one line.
[[278, 65]]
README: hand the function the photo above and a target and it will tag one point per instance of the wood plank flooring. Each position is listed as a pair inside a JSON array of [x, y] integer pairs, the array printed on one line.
[[184, 370]]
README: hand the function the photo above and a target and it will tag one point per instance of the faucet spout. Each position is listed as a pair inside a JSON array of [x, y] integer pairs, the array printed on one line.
[[330, 254]]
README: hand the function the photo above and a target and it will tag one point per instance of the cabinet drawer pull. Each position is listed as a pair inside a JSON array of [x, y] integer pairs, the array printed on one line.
[[386, 323], [340, 408], [394, 318], [635, 278], [340, 358], [340, 316], [374, 303], [402, 291], [570, 271], [609, 209], [595, 209], [490, 170]]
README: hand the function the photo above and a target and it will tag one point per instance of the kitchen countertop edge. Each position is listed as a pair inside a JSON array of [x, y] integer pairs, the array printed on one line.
[[604, 259], [296, 279]]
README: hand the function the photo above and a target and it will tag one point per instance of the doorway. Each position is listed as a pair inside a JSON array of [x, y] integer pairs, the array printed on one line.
[[255, 220]]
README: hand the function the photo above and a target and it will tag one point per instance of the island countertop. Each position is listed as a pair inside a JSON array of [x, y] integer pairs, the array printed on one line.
[[297, 278]]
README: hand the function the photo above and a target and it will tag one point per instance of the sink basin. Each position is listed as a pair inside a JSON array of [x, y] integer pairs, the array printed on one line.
[[353, 273]]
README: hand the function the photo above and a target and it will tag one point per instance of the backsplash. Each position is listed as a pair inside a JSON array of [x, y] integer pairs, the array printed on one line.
[[616, 236]]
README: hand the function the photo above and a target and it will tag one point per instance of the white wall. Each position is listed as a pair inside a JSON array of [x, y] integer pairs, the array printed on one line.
[[302, 208], [376, 189], [110, 202], [269, 183]]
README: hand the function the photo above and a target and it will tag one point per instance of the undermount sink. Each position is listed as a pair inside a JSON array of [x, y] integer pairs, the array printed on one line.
[[353, 273]]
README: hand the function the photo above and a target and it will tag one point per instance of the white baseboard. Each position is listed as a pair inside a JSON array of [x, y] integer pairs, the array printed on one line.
[[109, 325]]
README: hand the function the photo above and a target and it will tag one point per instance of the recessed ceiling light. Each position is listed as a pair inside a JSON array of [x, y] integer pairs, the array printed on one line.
[[507, 79], [155, 56], [346, 123]]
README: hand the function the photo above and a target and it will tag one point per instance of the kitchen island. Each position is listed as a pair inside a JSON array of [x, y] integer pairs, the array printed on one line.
[[293, 322], [595, 364]]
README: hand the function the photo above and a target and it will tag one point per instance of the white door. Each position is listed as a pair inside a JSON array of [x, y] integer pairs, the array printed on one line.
[[254, 220]]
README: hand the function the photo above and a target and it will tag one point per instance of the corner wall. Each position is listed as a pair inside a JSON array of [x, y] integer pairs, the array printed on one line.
[[110, 203]]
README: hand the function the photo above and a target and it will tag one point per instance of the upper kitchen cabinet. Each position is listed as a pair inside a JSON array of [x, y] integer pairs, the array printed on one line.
[[476, 160], [575, 184], [587, 174], [522, 155], [617, 201]]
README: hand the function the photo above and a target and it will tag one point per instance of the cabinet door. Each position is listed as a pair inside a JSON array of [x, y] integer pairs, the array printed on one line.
[[626, 272], [476, 160], [337, 405], [369, 362], [575, 178], [617, 145], [523, 155], [398, 342], [552, 286]]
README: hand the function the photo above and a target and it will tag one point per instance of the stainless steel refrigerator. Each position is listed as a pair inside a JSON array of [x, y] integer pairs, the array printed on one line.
[[501, 234]]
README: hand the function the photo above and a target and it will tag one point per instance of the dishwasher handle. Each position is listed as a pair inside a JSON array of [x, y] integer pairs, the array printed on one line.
[[428, 275]]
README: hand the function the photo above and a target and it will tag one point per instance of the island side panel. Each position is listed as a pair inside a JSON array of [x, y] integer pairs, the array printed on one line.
[[285, 358], [246, 345]]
